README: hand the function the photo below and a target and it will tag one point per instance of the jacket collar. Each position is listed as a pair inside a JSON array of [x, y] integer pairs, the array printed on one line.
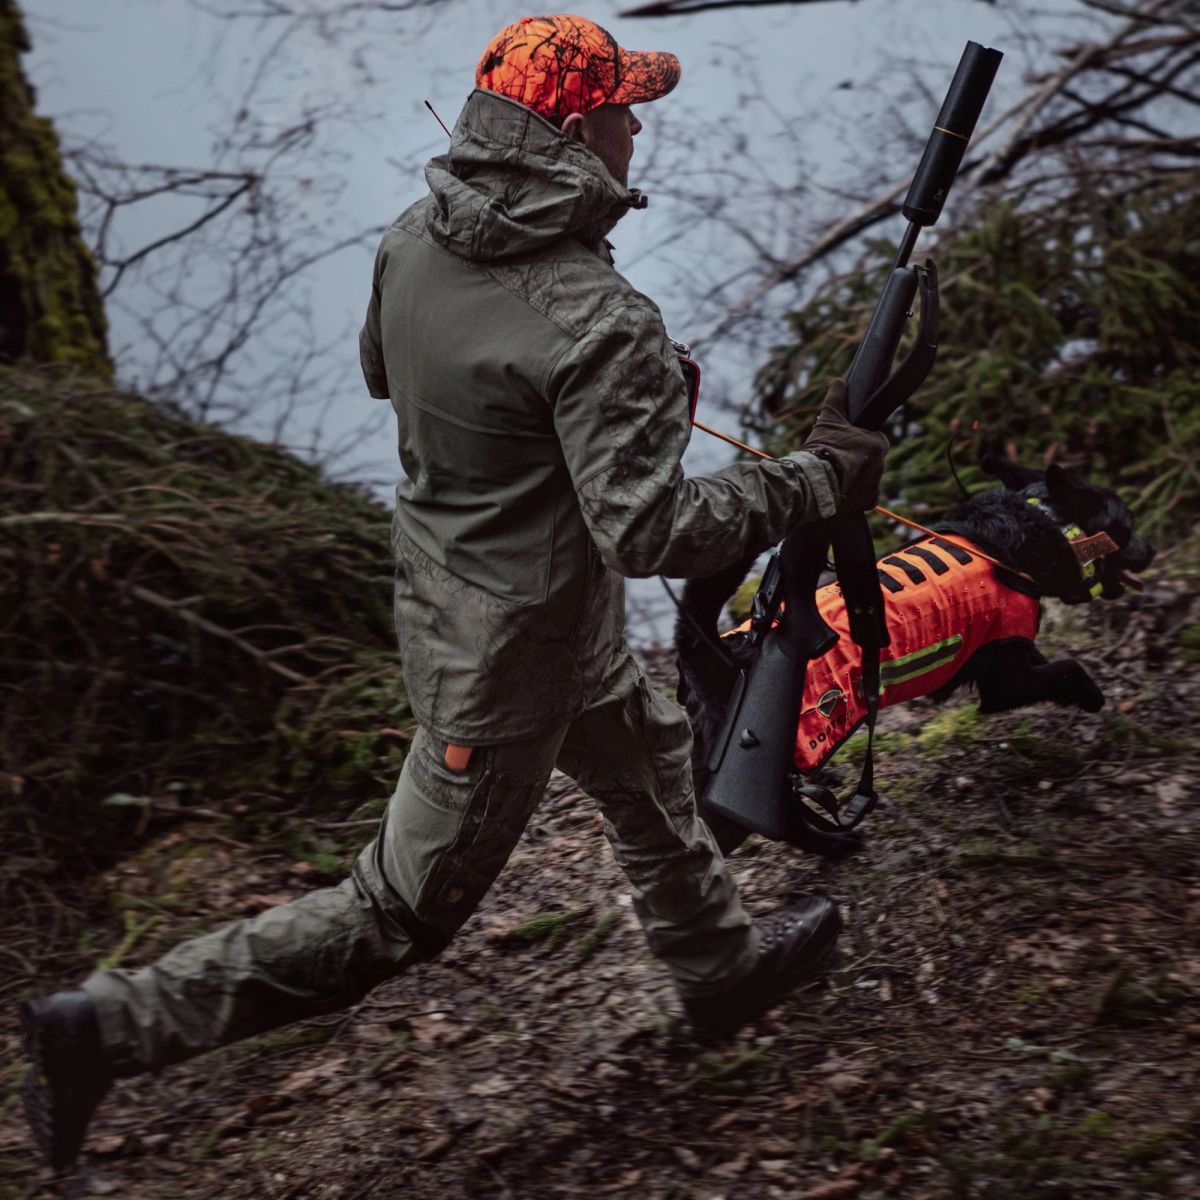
[[512, 184]]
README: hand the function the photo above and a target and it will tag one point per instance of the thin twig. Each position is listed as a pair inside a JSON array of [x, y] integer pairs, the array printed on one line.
[[185, 614]]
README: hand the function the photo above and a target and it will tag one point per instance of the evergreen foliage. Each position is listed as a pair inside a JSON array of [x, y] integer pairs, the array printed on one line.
[[1069, 333]]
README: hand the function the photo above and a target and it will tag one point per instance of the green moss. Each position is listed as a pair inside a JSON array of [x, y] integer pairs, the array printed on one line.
[[50, 308], [986, 851], [887, 741], [1151, 1145], [729, 1072], [1097, 1124], [951, 726], [1130, 1001], [384, 1059], [743, 599], [294, 1037], [1189, 641], [135, 930], [895, 1132], [598, 936], [1033, 993], [1070, 1078], [548, 928], [207, 1145]]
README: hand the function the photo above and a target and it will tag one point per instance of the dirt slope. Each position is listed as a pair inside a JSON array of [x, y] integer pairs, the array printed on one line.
[[1013, 1014]]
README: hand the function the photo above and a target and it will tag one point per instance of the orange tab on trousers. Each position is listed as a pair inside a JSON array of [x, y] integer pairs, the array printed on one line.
[[457, 757]]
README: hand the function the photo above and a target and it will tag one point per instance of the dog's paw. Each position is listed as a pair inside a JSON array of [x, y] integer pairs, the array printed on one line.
[[1083, 690]]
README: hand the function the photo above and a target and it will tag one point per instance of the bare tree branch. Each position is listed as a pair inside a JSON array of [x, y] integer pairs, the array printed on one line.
[[1096, 92], [675, 8]]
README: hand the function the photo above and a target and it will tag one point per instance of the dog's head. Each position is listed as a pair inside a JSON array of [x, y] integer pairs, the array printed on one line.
[[1069, 500]]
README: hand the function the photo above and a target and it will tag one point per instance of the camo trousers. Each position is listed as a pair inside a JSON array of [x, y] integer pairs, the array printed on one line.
[[442, 841]]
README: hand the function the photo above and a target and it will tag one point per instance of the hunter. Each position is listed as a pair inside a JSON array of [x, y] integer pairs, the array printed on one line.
[[542, 415]]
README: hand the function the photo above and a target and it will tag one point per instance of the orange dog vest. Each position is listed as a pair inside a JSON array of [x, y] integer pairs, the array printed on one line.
[[942, 604]]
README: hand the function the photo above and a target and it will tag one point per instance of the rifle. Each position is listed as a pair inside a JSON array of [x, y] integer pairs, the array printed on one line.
[[753, 778]]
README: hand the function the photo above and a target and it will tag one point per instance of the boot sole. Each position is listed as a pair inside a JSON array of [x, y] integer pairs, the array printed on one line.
[[35, 1088], [58, 1110]]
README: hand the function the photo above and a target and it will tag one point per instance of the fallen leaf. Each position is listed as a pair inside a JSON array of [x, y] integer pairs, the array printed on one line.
[[1171, 793], [487, 1153], [309, 1079], [843, 1082], [834, 1190], [262, 1102], [733, 1168], [689, 1158], [435, 1147], [775, 1146], [494, 1085], [435, 1030], [628, 1180]]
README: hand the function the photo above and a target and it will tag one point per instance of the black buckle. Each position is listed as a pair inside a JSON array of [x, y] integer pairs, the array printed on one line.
[[841, 820]]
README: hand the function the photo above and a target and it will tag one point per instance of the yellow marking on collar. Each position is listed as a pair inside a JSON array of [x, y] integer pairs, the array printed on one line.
[[1073, 533]]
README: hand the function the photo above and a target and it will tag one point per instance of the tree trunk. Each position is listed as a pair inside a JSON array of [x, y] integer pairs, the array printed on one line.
[[50, 308]]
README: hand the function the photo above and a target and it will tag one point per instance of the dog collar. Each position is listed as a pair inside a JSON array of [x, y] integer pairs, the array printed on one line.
[[1087, 549]]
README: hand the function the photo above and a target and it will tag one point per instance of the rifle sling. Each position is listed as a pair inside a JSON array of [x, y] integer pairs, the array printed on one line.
[[854, 559]]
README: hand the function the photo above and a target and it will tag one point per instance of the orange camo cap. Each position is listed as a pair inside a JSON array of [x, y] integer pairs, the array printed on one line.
[[563, 64]]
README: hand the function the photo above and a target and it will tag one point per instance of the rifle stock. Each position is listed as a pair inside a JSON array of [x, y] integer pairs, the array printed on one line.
[[756, 749]]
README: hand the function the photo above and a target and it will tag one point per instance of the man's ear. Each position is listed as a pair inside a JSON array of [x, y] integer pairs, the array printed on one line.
[[572, 127]]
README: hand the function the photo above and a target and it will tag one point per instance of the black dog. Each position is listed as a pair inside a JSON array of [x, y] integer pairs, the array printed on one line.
[[1033, 525]]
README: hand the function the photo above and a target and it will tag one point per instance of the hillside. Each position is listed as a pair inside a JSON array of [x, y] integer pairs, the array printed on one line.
[[189, 620], [202, 716]]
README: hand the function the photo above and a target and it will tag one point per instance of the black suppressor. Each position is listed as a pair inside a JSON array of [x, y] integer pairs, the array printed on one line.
[[951, 132]]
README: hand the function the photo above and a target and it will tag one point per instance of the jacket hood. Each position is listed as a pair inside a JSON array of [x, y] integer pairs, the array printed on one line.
[[512, 184]]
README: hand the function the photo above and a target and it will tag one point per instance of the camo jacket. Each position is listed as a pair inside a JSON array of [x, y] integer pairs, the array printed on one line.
[[542, 416]]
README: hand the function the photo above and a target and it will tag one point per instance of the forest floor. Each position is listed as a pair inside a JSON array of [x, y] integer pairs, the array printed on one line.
[[1014, 1011]]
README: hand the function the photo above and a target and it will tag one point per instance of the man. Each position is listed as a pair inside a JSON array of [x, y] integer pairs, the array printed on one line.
[[542, 415]]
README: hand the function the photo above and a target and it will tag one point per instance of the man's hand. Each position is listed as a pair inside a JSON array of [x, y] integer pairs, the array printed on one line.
[[856, 455]]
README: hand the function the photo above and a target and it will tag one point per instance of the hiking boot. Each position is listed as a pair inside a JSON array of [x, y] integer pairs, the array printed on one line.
[[793, 945], [70, 1073]]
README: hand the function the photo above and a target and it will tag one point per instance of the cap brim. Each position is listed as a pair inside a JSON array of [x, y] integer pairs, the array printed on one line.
[[645, 75]]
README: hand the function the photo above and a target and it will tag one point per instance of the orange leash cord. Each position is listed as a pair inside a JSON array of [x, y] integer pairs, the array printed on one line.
[[885, 512]]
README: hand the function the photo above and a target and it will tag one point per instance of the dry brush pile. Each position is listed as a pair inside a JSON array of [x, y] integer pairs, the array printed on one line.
[[188, 617]]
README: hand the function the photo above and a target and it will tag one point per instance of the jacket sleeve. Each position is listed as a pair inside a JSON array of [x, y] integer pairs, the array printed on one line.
[[370, 348], [621, 413]]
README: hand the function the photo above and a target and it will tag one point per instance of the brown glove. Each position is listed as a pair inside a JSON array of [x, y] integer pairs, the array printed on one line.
[[856, 455]]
